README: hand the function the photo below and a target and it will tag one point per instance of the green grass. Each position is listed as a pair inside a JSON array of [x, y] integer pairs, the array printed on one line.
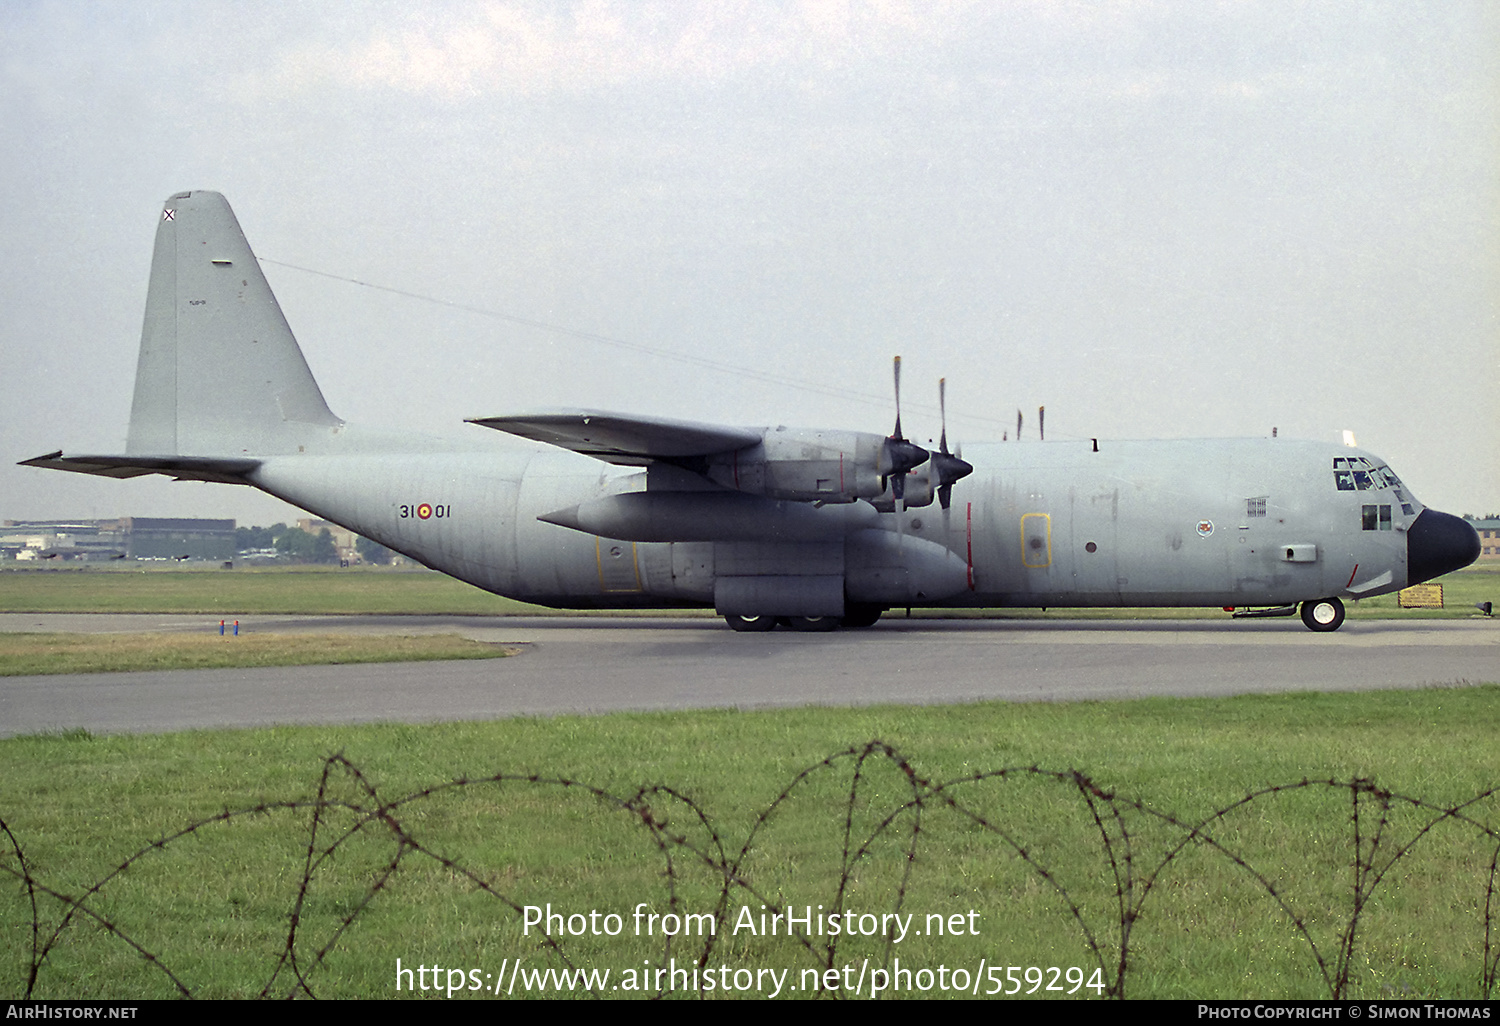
[[329, 590], [214, 905], [1461, 591], [25, 654], [310, 590]]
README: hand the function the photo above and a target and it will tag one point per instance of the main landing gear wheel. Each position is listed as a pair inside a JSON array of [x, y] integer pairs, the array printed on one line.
[[860, 614], [1323, 614], [812, 624], [750, 624]]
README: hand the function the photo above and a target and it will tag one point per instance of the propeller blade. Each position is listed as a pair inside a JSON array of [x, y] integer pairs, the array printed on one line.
[[897, 455], [947, 470], [947, 467], [943, 413], [897, 435]]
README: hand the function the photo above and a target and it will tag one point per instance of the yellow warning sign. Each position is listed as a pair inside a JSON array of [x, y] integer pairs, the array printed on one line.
[[1422, 596]]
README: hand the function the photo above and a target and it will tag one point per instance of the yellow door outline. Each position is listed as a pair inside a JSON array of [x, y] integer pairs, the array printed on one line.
[[1036, 541], [618, 570]]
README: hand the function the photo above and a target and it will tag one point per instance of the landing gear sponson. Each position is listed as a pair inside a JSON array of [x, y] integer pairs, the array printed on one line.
[[856, 614]]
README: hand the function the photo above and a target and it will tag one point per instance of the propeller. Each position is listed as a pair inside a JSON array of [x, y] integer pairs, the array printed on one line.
[[947, 467], [897, 455]]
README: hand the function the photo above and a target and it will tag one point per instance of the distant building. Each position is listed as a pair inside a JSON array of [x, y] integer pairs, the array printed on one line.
[[344, 540], [1489, 537], [120, 538]]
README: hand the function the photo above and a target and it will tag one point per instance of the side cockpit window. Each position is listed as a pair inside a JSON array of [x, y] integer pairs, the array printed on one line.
[[1375, 518], [1355, 473]]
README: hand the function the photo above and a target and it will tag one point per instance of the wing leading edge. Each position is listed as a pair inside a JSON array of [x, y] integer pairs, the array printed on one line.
[[623, 439]]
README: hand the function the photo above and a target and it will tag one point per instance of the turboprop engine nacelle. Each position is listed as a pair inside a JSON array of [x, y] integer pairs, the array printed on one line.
[[918, 492], [709, 516], [935, 479], [814, 466]]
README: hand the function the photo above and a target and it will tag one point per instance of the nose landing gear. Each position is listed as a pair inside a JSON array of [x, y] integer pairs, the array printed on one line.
[[1323, 614]]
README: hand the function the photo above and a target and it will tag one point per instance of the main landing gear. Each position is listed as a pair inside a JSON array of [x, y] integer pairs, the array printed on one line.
[[750, 624], [1323, 614], [856, 614]]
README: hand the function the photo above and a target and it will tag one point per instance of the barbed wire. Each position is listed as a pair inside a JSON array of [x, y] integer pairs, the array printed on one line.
[[1119, 824]]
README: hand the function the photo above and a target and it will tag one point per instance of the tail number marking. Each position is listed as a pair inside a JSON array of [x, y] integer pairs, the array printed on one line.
[[425, 511]]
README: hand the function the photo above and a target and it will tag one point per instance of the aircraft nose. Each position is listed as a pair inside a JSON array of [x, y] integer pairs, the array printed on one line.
[[1437, 543]]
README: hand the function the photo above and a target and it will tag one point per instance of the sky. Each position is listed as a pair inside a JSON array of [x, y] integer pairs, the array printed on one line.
[[1157, 219]]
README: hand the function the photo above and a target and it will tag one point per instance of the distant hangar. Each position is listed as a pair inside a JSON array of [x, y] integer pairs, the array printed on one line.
[[118, 538]]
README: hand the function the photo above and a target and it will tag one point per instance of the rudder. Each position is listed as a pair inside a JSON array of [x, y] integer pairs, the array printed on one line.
[[220, 373]]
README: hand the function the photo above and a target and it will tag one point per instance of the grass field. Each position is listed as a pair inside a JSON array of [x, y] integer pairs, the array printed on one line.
[[215, 592], [328, 590], [213, 905], [25, 654], [426, 841]]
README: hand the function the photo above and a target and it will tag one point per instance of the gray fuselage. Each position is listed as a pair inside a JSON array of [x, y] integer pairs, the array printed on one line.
[[1153, 523]]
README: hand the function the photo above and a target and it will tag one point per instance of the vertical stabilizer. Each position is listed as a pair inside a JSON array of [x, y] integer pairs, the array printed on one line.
[[220, 373]]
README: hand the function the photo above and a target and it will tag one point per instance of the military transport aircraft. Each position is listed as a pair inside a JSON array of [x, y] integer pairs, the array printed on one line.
[[811, 529]]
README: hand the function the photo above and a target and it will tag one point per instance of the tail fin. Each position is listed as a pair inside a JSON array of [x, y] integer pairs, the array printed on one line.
[[220, 373]]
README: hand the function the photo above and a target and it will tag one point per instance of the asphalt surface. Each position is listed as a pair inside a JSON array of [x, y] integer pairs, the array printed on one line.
[[603, 664]]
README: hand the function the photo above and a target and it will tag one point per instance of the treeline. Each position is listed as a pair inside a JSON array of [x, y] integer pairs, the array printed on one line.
[[298, 546]]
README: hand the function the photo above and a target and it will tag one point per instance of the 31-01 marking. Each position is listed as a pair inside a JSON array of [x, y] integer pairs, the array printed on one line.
[[425, 511]]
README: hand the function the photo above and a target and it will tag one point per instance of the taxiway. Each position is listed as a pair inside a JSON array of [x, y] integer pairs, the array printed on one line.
[[604, 664]]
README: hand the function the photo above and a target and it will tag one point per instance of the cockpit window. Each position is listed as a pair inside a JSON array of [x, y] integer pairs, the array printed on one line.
[[1355, 473], [1375, 518]]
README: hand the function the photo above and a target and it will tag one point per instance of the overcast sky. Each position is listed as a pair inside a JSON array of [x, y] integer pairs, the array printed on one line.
[[1158, 219]]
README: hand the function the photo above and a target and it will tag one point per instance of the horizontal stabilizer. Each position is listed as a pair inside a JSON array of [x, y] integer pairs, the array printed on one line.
[[226, 470], [623, 439]]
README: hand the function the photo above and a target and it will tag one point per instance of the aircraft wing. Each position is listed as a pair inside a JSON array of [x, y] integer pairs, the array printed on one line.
[[623, 439], [227, 470]]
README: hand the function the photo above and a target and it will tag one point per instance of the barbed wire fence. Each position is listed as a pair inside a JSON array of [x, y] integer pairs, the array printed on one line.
[[1136, 845]]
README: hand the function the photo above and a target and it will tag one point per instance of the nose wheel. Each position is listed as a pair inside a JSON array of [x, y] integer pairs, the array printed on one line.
[[1323, 614]]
